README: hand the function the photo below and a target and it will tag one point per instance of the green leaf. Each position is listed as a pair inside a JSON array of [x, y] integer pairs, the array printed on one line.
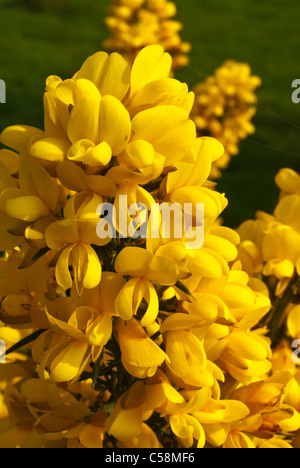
[[24, 342]]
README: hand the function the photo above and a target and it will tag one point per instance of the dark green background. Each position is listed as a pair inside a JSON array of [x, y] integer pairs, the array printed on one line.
[[37, 43]]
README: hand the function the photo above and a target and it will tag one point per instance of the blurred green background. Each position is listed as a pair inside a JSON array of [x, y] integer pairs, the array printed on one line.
[[35, 43]]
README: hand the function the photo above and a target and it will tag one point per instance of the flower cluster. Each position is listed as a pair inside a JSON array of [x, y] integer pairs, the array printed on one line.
[[224, 108], [269, 250], [135, 341], [134, 24]]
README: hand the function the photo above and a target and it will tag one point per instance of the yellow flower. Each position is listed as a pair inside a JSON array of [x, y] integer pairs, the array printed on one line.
[[288, 181], [87, 118], [224, 108], [135, 24], [72, 238], [78, 330], [141, 356], [34, 200], [144, 268], [147, 439], [126, 420], [270, 244]]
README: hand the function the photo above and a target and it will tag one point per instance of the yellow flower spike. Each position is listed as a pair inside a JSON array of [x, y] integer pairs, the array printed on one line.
[[141, 357], [133, 25], [224, 108]]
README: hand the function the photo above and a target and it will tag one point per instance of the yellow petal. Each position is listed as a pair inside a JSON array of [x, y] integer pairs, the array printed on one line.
[[100, 331], [92, 437], [125, 300], [28, 208], [151, 64], [63, 276], [18, 137], [115, 125], [50, 149], [110, 286], [115, 77], [110, 73], [93, 271], [84, 119], [133, 261], [163, 271], [126, 420], [35, 180], [74, 178], [10, 160], [62, 233], [66, 365], [162, 127]]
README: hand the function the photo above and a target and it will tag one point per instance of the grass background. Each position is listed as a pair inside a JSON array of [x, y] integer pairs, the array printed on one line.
[[265, 33]]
